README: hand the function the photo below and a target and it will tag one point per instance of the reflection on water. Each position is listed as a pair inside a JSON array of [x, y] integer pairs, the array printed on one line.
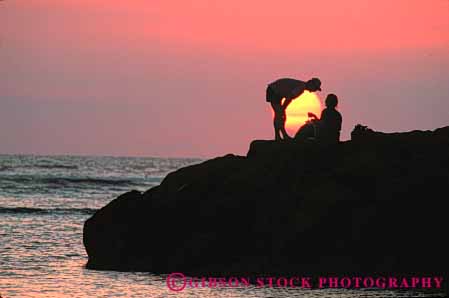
[[43, 256]]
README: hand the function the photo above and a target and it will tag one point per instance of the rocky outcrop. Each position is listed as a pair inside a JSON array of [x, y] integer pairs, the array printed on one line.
[[374, 204]]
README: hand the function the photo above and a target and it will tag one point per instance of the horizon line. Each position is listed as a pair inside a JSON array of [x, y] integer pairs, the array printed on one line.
[[99, 155]]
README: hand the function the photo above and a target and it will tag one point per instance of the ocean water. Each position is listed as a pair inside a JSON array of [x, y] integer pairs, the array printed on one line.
[[44, 201]]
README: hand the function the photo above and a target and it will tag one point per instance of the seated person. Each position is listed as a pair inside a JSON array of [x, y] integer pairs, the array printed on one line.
[[328, 126]]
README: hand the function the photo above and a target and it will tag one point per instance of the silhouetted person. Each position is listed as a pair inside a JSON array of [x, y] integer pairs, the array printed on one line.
[[330, 121], [289, 89]]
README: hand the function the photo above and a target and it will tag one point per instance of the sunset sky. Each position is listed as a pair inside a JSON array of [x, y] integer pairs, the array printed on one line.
[[188, 78]]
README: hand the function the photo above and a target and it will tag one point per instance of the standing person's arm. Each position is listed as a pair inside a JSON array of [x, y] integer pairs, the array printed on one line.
[[286, 103], [339, 121]]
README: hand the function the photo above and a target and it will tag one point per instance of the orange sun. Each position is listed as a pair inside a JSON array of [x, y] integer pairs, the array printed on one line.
[[298, 109]]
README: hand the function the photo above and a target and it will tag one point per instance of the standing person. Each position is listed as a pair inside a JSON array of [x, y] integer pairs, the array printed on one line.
[[289, 89]]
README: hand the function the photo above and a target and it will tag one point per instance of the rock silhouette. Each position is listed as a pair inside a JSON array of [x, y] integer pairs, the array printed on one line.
[[371, 205]]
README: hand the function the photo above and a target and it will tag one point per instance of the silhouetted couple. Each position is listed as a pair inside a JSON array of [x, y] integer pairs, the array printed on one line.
[[281, 93]]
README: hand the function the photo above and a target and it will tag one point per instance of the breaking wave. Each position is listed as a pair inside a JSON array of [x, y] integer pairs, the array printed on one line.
[[26, 210]]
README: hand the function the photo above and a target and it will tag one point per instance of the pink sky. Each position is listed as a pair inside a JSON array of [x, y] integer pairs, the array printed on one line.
[[188, 78]]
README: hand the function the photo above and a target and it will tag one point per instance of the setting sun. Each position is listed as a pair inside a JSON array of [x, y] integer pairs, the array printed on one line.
[[298, 109]]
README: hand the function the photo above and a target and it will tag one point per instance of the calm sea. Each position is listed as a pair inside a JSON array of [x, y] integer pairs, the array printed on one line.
[[44, 201]]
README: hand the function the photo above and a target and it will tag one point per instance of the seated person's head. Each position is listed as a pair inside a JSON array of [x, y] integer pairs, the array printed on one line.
[[331, 101], [313, 85]]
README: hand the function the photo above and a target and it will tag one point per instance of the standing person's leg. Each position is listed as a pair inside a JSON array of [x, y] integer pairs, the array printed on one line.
[[284, 106], [282, 125], [275, 102], [277, 120]]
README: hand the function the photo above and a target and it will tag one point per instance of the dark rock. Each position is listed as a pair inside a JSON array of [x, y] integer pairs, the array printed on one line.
[[374, 204]]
